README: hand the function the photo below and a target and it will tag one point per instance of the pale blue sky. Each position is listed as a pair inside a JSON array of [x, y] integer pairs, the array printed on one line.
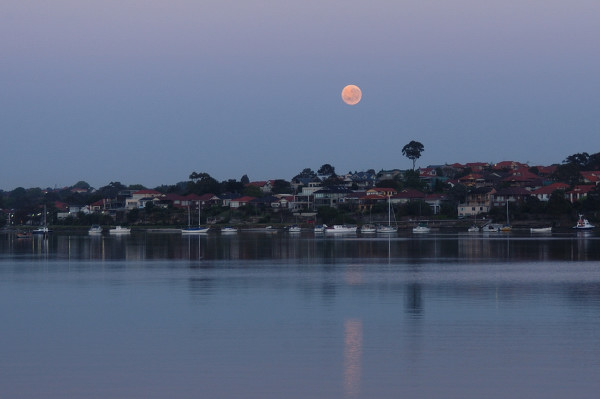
[[148, 91]]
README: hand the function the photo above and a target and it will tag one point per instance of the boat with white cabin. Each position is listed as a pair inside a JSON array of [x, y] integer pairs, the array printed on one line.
[[320, 228], [119, 230], [294, 229], [95, 229], [341, 228], [490, 228], [421, 228], [583, 224]]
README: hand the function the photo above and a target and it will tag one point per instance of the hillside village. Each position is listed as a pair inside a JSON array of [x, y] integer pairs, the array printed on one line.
[[437, 192]]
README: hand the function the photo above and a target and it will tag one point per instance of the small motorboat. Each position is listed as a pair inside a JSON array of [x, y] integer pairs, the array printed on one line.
[[541, 230], [95, 229], [490, 228], [120, 230], [320, 228], [583, 224], [421, 228]]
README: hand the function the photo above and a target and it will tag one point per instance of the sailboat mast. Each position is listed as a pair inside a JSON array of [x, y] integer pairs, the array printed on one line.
[[389, 211]]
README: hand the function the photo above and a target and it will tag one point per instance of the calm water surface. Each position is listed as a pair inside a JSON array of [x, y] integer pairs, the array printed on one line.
[[257, 315]]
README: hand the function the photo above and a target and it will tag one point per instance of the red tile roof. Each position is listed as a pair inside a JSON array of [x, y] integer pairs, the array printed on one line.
[[549, 189]]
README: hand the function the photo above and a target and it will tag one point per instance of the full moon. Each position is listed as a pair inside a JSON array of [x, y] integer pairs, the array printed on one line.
[[351, 94]]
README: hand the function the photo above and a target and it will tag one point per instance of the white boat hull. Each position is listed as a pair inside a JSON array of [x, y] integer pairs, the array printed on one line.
[[338, 228], [197, 230], [541, 230]]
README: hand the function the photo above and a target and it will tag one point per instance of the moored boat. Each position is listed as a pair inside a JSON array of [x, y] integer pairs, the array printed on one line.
[[368, 229], [23, 234], [490, 228], [195, 230], [320, 228], [540, 230], [386, 229], [119, 230], [95, 229], [228, 230], [583, 224], [421, 228], [341, 228]]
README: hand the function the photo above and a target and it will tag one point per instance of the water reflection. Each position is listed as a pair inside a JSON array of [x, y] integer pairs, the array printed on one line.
[[307, 249], [353, 347]]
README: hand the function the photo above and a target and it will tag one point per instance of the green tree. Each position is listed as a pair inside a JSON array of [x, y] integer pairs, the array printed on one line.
[[413, 151], [412, 180], [580, 159], [253, 191], [281, 186], [245, 180], [327, 171], [203, 183], [232, 186], [81, 184], [558, 204], [306, 173]]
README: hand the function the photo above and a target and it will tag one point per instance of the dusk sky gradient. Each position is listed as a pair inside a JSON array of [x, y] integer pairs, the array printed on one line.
[[147, 91]]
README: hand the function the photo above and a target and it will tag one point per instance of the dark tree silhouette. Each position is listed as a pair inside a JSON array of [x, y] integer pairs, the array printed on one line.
[[413, 151]]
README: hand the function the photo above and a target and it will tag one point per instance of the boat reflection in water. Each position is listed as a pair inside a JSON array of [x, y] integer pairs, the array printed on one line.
[[254, 245], [258, 315]]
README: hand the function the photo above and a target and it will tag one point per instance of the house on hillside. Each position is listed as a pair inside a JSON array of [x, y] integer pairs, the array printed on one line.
[[360, 180], [386, 192], [591, 177], [544, 193], [522, 177], [241, 201], [407, 195], [510, 194], [394, 174], [477, 201], [509, 165], [435, 202], [580, 192], [472, 180], [477, 167], [140, 198], [265, 186], [331, 196]]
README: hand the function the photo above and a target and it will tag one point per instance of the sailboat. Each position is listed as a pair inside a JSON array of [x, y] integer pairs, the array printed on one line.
[[389, 228], [44, 229], [421, 227], [195, 230], [506, 227], [368, 228]]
